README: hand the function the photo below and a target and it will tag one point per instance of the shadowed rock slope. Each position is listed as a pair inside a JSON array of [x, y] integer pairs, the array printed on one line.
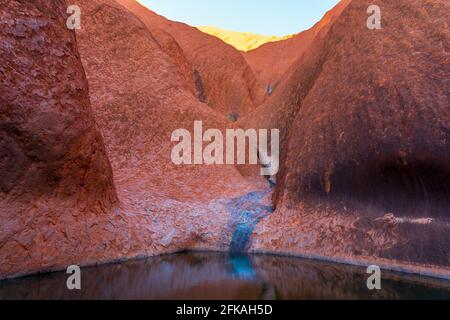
[[365, 169]]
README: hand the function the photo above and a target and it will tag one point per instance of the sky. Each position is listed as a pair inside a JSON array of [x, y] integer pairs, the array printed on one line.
[[266, 17]]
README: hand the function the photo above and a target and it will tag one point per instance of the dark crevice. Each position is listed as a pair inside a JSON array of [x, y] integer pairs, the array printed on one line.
[[199, 86]]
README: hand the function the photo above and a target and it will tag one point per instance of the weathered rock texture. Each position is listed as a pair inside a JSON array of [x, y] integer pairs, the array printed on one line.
[[50, 145], [222, 77], [365, 173], [140, 93], [139, 97], [52, 156], [363, 113], [289, 69]]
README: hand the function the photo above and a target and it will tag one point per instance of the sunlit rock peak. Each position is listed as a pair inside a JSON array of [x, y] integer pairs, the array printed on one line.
[[243, 41]]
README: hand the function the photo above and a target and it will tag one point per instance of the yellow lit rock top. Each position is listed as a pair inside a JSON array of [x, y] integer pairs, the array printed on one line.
[[242, 41]]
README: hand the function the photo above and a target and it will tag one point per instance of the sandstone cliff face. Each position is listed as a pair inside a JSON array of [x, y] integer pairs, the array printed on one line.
[[52, 156], [50, 145], [365, 172], [222, 76]]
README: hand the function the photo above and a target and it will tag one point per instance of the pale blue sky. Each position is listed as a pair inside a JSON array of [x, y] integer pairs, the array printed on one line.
[[267, 17]]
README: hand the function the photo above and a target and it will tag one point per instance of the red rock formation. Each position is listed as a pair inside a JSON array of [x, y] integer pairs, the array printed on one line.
[[222, 77], [273, 60], [297, 66], [50, 145], [367, 151], [361, 112], [51, 154], [140, 97]]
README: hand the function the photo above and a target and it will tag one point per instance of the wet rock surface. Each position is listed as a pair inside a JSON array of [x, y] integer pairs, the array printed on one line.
[[246, 213]]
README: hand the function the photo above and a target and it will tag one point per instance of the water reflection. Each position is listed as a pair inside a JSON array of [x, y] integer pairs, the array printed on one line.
[[242, 266], [224, 276]]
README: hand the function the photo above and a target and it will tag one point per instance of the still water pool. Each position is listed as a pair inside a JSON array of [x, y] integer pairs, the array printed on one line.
[[224, 276]]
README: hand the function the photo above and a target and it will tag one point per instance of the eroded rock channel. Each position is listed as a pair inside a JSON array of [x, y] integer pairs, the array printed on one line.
[[246, 213]]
